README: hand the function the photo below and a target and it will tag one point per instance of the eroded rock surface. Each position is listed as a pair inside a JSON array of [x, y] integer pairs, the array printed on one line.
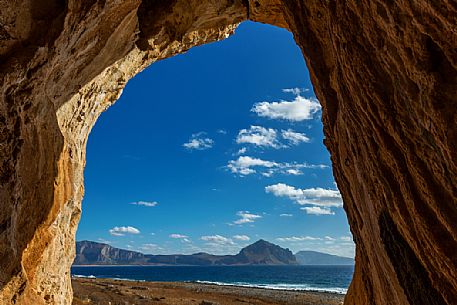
[[384, 71]]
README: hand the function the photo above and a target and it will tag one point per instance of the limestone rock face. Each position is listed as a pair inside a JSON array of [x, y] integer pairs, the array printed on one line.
[[385, 72]]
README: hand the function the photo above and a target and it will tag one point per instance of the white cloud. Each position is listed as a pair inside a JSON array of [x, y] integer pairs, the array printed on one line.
[[313, 196], [295, 91], [259, 136], [305, 165], [198, 141], [145, 203], [294, 172], [246, 165], [268, 173], [298, 238], [242, 237], [346, 238], [284, 190], [243, 165], [150, 247], [177, 236], [218, 239], [329, 238], [321, 197], [294, 137], [246, 217], [301, 108], [317, 211], [241, 151], [183, 238], [121, 231], [286, 215], [218, 244], [215, 245], [269, 137]]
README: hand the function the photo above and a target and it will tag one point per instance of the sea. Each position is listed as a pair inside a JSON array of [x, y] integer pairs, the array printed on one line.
[[335, 279]]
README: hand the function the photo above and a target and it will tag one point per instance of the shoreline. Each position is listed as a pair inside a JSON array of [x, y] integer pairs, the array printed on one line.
[[102, 291], [275, 287]]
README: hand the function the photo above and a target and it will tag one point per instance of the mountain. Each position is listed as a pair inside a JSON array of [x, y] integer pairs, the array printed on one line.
[[265, 253], [259, 253], [319, 258], [93, 253]]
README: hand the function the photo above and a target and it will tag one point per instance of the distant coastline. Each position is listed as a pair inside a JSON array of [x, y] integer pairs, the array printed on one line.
[[90, 253]]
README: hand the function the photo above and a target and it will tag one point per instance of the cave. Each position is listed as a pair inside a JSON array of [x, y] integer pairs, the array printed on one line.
[[384, 71]]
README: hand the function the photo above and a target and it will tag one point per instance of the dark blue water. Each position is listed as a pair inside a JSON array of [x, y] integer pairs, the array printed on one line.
[[319, 278]]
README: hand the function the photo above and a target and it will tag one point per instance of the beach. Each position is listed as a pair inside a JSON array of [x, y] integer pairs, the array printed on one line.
[[113, 292]]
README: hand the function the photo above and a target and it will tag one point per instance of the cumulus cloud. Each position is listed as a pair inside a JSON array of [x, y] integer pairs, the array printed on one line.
[[218, 239], [317, 211], [346, 238], [294, 137], [121, 231], [246, 217], [299, 109], [286, 215], [269, 137], [242, 237], [246, 165], [145, 203], [312, 196], [259, 136], [199, 141], [284, 190]]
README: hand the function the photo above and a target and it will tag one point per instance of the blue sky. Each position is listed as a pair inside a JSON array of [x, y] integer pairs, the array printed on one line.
[[213, 149]]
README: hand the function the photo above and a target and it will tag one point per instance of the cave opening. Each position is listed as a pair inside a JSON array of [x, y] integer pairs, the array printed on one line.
[[384, 73], [210, 151]]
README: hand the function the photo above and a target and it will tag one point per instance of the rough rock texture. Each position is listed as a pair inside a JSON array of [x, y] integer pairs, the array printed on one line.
[[385, 72], [93, 253]]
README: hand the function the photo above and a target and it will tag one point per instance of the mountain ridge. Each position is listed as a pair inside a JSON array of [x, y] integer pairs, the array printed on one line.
[[259, 253], [307, 257]]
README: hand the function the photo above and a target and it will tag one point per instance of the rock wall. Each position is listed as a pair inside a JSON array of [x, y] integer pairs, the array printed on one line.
[[384, 71]]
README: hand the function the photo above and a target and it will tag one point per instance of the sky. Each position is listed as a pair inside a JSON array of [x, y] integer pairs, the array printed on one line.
[[212, 150]]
